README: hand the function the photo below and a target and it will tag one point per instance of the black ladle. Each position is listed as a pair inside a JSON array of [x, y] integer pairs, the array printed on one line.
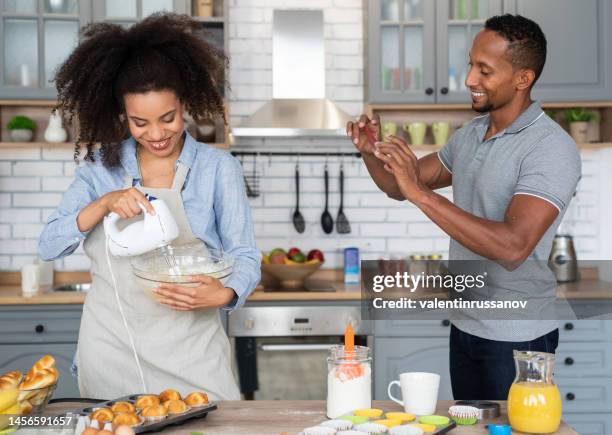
[[327, 222], [298, 219]]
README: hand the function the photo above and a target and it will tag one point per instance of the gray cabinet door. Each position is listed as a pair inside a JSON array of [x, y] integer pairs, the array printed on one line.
[[127, 12], [22, 356], [393, 356], [458, 22], [37, 36], [579, 60], [590, 424], [401, 47]]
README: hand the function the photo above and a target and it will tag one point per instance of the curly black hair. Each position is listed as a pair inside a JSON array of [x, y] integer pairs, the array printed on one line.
[[161, 52], [526, 41]]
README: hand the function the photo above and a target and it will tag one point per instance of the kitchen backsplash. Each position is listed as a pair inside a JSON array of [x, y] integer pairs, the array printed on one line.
[[32, 182]]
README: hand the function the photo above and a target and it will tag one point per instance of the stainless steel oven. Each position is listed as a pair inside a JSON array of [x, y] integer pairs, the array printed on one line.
[[281, 352]]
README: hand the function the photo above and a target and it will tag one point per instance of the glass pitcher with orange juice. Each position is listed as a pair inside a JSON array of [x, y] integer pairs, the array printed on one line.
[[534, 402]]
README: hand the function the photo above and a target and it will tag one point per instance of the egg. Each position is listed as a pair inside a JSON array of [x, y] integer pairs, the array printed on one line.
[[90, 431], [124, 430]]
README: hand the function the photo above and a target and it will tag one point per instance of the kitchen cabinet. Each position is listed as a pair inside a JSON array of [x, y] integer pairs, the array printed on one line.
[[579, 61], [29, 332], [590, 424], [418, 50], [127, 12], [37, 36]]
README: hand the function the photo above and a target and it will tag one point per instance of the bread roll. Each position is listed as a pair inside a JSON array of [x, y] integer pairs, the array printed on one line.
[[196, 399], [126, 418], [169, 394], [26, 407], [176, 406], [46, 362], [103, 415], [41, 379], [147, 400], [154, 411], [120, 407]]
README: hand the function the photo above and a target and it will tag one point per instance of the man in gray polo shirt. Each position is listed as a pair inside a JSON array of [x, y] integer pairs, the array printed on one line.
[[513, 172]]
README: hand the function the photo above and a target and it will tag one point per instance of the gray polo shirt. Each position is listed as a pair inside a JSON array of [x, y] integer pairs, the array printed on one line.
[[534, 156]]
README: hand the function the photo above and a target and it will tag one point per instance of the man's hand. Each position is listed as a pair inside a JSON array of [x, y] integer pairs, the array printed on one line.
[[209, 293], [364, 133], [400, 161]]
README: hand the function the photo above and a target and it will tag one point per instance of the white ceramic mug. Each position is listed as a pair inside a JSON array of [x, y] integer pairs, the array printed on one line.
[[419, 392], [30, 279]]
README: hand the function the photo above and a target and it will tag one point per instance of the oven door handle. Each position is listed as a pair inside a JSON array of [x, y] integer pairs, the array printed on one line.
[[294, 347]]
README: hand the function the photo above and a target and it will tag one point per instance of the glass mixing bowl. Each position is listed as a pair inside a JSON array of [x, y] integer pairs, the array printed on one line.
[[174, 264]]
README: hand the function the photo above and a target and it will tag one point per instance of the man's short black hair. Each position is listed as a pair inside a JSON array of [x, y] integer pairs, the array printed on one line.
[[526, 41]]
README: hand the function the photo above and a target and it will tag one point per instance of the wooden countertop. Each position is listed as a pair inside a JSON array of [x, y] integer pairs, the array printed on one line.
[[583, 289], [291, 417]]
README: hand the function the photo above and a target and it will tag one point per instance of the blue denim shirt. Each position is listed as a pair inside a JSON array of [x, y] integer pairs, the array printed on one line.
[[213, 196]]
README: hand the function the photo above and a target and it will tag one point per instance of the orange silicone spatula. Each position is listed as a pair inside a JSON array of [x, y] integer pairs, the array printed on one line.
[[349, 339], [350, 369]]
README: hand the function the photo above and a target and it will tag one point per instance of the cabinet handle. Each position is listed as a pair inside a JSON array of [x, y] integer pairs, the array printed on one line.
[[569, 361], [570, 396], [569, 326], [445, 322], [429, 91], [39, 329], [444, 90]]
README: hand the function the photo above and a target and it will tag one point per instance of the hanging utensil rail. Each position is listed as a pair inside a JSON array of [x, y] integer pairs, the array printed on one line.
[[295, 154]]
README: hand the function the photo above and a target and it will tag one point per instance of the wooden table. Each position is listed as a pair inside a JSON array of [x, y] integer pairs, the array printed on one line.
[[290, 417]]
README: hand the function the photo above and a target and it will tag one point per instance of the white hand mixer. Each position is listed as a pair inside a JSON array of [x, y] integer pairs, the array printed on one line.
[[152, 232]]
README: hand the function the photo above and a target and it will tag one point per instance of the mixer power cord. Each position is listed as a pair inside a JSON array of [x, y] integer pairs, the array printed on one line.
[[125, 323]]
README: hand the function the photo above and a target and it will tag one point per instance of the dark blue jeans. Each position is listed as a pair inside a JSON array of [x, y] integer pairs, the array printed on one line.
[[483, 369]]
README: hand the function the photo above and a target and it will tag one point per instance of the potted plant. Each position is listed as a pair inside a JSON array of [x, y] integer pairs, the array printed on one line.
[[578, 119], [21, 128]]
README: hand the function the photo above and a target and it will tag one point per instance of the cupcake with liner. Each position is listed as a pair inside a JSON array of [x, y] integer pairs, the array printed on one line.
[[319, 430], [154, 414], [464, 415], [372, 428], [406, 430], [338, 424]]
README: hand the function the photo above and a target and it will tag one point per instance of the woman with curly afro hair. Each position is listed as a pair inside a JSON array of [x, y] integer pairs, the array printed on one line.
[[127, 90]]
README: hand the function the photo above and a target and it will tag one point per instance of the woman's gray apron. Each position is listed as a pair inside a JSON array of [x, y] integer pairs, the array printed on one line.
[[184, 350]]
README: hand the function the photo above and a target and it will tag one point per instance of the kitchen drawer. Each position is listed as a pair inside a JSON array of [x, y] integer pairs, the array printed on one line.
[[585, 330], [576, 360], [412, 328], [22, 356], [590, 424], [586, 395], [46, 324]]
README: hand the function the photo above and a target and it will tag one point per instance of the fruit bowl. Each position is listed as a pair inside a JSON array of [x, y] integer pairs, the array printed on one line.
[[291, 276]]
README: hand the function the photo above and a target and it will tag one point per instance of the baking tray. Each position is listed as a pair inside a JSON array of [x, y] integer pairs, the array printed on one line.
[[443, 429], [171, 420]]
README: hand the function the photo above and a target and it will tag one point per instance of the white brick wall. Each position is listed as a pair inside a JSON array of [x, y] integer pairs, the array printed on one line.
[[380, 226]]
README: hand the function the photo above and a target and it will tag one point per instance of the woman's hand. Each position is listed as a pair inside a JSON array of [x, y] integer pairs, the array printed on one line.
[[209, 293], [125, 202]]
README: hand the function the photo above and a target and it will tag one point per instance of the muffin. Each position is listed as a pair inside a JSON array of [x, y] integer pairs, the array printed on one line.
[[169, 394], [119, 407], [147, 400], [126, 418], [176, 407], [196, 399], [154, 413], [102, 415]]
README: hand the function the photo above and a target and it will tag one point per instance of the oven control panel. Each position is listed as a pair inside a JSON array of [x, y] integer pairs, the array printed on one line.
[[293, 321]]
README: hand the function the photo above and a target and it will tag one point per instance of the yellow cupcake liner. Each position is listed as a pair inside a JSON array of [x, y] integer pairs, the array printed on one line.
[[370, 413], [390, 422], [403, 416]]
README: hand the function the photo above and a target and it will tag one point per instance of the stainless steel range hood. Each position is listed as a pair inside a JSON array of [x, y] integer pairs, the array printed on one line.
[[299, 106]]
